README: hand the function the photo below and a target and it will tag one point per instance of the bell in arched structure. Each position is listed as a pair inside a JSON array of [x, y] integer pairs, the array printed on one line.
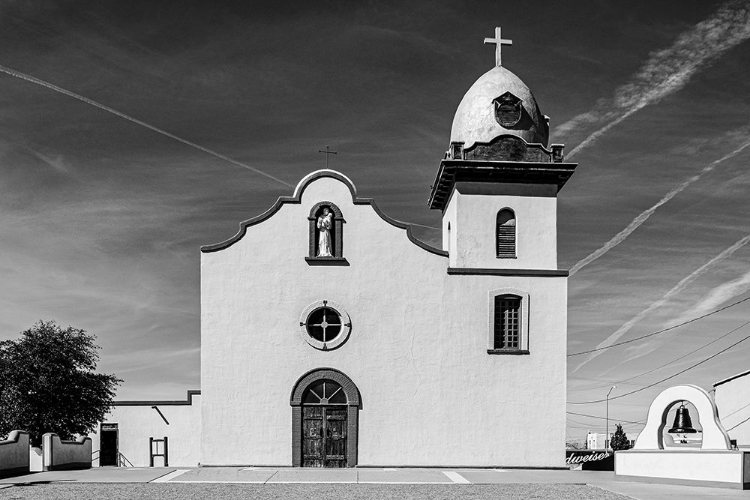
[[682, 423]]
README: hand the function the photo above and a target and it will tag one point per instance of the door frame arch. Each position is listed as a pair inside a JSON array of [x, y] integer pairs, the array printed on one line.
[[352, 414]]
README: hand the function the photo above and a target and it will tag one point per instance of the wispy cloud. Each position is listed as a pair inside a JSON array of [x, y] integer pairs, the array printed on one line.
[[714, 298], [666, 70], [37, 81], [679, 287], [57, 162], [643, 216]]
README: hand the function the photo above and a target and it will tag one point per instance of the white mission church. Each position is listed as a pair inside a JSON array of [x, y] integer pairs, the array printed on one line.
[[343, 341]]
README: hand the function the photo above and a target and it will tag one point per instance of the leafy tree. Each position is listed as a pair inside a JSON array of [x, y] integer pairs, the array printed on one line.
[[48, 383], [619, 439]]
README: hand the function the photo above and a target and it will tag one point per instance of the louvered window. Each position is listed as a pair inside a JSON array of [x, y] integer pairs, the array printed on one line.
[[507, 325], [506, 234]]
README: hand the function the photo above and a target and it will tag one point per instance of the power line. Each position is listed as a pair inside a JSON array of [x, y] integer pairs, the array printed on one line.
[[671, 362], [735, 411], [748, 418], [660, 331], [604, 418], [671, 376]]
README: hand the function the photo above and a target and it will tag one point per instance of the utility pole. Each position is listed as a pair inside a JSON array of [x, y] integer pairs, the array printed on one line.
[[606, 437]]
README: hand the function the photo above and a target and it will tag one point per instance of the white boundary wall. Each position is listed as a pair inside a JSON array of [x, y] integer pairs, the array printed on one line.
[[14, 454], [719, 468], [61, 455]]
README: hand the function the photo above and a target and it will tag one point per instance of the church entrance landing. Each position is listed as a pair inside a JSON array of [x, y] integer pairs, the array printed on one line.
[[325, 403]]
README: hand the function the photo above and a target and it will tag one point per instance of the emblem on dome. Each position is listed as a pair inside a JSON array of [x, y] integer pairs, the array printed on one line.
[[507, 109]]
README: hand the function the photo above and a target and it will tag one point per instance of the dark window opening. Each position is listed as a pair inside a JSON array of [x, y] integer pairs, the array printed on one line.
[[507, 333], [324, 324], [324, 392]]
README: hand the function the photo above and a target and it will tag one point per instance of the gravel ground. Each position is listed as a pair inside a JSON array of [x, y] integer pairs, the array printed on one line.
[[127, 491]]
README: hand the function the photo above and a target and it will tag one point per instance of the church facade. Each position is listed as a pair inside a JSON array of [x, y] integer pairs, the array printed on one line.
[[331, 337]]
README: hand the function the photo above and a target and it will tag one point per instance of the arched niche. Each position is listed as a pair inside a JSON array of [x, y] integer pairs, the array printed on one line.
[[714, 435], [352, 406], [336, 232]]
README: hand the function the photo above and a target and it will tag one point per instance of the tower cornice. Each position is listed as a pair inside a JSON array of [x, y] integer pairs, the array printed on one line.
[[507, 172]]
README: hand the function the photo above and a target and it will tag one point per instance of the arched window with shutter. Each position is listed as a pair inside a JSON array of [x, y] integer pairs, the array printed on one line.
[[506, 234]]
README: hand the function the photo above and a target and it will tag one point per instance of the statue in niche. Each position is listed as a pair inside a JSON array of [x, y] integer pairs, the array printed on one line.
[[325, 224]]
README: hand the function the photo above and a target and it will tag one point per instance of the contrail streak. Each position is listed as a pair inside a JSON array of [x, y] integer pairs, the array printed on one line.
[[679, 287], [593, 137], [716, 297], [643, 217], [81, 98], [667, 70]]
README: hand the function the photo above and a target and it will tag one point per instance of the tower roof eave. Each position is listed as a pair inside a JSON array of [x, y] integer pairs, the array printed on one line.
[[512, 172]]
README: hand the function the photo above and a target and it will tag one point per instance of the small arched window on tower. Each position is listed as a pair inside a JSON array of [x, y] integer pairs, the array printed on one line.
[[506, 234], [326, 233]]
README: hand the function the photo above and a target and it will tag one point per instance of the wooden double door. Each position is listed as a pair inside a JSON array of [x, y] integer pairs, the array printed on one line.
[[324, 436]]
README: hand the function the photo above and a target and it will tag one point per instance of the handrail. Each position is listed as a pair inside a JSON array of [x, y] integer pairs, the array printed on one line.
[[124, 462]]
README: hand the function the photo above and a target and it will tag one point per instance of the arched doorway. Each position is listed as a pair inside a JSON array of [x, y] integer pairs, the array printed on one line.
[[325, 405]]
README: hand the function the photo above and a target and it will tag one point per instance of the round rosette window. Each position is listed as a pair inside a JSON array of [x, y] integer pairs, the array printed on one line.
[[324, 325]]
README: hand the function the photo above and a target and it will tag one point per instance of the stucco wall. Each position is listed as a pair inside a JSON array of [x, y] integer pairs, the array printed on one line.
[[431, 394], [732, 399], [709, 466], [136, 423], [472, 212], [14, 454], [58, 454]]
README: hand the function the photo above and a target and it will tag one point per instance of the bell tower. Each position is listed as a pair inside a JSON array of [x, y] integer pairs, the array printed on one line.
[[498, 182]]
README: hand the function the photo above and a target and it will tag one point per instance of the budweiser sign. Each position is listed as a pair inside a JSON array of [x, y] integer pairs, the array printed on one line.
[[590, 459]]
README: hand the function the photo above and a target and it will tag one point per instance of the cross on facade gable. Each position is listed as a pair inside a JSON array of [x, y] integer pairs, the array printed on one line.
[[327, 152], [499, 42]]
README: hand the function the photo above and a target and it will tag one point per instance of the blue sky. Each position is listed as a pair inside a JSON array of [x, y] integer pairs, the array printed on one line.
[[102, 218]]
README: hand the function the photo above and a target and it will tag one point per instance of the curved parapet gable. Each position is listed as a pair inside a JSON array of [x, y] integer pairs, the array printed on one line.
[[296, 198], [714, 435]]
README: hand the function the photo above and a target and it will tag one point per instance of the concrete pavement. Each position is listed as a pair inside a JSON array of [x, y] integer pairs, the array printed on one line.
[[451, 478]]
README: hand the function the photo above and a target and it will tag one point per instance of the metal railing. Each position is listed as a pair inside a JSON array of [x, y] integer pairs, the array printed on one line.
[[123, 461]]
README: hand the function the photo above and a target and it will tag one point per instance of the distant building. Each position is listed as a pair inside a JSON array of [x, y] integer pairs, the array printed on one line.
[[732, 397], [596, 440], [330, 337]]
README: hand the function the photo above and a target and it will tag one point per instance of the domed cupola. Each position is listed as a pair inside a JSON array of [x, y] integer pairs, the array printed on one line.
[[499, 136], [499, 103]]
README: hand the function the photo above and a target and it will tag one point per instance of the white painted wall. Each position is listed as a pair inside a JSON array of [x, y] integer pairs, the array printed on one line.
[[431, 395], [473, 218], [715, 466], [137, 423], [35, 460], [733, 401]]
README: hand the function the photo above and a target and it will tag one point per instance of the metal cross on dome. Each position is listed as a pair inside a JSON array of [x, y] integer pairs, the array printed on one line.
[[499, 42]]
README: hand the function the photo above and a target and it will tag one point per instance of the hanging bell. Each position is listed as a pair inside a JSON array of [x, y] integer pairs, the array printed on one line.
[[682, 423]]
